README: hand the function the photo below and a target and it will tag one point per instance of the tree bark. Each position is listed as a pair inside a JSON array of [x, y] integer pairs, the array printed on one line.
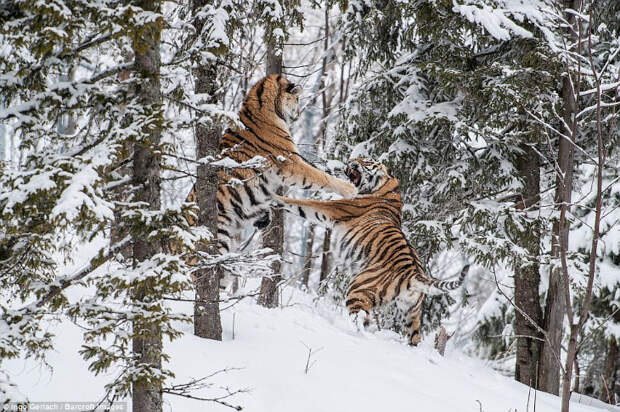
[[207, 321], [274, 235], [555, 302], [527, 277], [608, 394], [584, 312], [325, 259], [147, 341], [308, 262]]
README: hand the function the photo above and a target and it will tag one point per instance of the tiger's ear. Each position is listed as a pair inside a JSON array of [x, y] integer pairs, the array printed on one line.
[[296, 90]]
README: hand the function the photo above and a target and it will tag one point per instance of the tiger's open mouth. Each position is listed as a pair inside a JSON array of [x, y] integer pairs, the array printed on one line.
[[354, 176]]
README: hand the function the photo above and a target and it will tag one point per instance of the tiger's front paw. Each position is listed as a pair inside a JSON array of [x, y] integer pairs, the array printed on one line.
[[360, 320], [414, 338], [347, 190]]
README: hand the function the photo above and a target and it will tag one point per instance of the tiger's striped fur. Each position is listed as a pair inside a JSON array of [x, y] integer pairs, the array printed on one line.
[[244, 195], [369, 237]]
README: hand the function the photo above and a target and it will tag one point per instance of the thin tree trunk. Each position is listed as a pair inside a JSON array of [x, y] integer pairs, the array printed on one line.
[[608, 394], [575, 328], [527, 277], [555, 303], [325, 259], [577, 382], [274, 236], [325, 266], [308, 262], [207, 321], [147, 344]]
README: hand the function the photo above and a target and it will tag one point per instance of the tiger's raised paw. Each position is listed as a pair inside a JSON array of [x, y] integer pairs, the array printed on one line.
[[263, 221]]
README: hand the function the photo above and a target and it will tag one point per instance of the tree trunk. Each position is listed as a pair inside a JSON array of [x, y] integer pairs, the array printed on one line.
[[308, 262], [608, 394], [207, 321], [147, 342], [527, 277], [274, 235], [568, 367], [325, 259], [555, 302]]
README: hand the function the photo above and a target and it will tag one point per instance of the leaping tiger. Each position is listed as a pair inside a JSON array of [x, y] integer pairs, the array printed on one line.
[[244, 195], [369, 238]]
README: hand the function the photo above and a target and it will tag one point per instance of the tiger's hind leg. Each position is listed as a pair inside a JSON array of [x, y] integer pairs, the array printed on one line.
[[358, 301], [411, 308], [228, 235]]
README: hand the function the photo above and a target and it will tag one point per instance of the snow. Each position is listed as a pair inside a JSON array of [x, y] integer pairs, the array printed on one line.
[[256, 162], [351, 370]]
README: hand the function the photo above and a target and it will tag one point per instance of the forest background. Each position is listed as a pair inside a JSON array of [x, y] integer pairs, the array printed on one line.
[[498, 118]]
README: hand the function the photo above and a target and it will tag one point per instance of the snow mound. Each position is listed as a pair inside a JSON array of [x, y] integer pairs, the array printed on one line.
[[349, 370]]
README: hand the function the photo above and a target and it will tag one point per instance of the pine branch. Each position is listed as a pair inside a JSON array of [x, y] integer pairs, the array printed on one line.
[[95, 263], [110, 72]]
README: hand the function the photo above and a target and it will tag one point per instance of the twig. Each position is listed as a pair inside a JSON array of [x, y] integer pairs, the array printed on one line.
[[529, 319], [184, 390], [310, 350]]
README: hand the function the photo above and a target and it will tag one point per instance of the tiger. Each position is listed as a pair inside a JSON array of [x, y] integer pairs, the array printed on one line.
[[370, 240], [244, 195]]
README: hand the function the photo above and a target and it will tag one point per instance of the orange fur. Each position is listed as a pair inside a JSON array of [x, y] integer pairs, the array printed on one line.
[[369, 237], [244, 194]]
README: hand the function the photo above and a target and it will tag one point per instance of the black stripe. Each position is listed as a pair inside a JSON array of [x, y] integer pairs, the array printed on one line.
[[235, 195], [251, 130], [259, 93], [276, 109], [253, 201], [353, 300]]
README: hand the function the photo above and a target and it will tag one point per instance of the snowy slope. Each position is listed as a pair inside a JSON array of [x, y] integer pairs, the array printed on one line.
[[354, 371]]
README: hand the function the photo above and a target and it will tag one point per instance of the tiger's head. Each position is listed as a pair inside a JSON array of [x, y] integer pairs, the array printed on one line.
[[276, 94], [367, 175]]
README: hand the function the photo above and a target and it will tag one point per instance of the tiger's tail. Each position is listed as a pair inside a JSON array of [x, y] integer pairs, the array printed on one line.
[[432, 286]]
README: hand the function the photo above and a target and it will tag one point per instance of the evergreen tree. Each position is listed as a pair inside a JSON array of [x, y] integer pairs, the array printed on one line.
[[73, 188], [444, 97]]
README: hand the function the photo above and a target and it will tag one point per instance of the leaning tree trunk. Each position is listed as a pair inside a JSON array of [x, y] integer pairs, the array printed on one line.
[[527, 277], [555, 309], [147, 343], [207, 321]]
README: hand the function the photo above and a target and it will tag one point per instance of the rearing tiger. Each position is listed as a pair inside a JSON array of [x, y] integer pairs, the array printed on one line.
[[369, 238], [244, 195]]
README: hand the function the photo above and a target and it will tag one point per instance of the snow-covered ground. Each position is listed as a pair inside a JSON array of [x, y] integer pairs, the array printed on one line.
[[349, 370]]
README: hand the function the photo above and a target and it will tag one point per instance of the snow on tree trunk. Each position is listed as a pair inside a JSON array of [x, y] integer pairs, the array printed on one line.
[[305, 277], [147, 341], [207, 322], [325, 256]]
